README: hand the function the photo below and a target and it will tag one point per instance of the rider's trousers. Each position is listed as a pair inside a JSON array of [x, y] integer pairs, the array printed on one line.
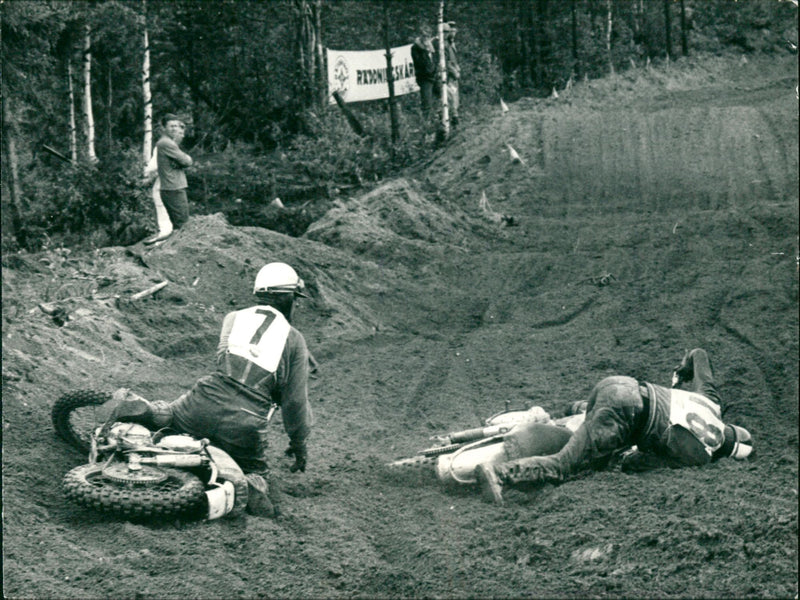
[[612, 420], [217, 409]]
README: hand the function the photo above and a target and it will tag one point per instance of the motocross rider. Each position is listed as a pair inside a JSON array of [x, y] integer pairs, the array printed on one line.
[[670, 428], [261, 359]]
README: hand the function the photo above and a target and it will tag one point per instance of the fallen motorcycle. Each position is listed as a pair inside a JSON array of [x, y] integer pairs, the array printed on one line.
[[134, 472], [507, 435]]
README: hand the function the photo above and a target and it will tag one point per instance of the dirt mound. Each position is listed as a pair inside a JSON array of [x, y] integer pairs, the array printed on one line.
[[655, 212], [394, 222]]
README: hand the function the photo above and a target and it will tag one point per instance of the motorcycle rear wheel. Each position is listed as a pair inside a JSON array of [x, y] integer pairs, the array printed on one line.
[[181, 493], [74, 425]]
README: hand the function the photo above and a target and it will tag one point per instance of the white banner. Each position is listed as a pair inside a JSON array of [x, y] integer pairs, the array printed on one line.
[[361, 76]]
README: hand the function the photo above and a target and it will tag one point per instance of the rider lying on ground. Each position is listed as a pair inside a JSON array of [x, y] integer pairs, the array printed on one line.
[[670, 427]]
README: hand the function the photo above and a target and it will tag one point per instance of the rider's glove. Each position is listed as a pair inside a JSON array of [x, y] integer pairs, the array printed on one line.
[[300, 454]]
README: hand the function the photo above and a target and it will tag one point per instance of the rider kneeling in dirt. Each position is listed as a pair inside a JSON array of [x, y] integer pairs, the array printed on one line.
[[670, 427], [261, 359]]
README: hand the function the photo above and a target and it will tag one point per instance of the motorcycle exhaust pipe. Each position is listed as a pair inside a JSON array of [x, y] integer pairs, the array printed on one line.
[[174, 460], [470, 435]]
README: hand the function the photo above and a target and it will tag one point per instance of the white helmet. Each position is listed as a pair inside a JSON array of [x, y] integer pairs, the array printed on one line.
[[279, 278]]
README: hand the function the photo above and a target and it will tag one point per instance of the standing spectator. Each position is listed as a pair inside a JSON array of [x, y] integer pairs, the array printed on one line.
[[162, 217], [172, 162], [424, 69], [453, 70]]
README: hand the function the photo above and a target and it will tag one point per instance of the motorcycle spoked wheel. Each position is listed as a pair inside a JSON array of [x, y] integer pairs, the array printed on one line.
[[180, 493], [76, 414]]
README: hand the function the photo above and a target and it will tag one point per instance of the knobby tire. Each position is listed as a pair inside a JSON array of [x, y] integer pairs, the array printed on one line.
[[181, 493], [62, 410]]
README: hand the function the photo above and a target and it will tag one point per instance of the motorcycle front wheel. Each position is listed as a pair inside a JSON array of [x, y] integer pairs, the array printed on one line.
[[77, 414], [181, 492]]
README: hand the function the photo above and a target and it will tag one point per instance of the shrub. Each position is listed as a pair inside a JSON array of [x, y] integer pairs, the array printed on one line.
[[85, 204]]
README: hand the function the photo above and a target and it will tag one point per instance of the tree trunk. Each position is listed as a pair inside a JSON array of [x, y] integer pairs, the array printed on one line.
[[538, 11], [88, 115], [684, 34], [322, 75], [300, 50], [445, 125], [9, 136], [109, 104], [390, 77], [73, 129], [609, 25], [574, 27], [147, 149], [525, 43], [668, 28], [305, 45], [533, 33]]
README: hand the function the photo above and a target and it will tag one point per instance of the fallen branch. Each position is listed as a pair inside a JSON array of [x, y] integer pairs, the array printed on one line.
[[352, 120], [57, 154], [149, 291], [605, 278], [47, 308]]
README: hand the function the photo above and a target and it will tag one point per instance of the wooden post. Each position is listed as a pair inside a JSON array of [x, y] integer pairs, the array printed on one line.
[[390, 77]]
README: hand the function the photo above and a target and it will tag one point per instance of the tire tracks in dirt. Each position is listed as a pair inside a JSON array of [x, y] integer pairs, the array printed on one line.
[[769, 369], [508, 276], [653, 159], [429, 383], [786, 178], [567, 318]]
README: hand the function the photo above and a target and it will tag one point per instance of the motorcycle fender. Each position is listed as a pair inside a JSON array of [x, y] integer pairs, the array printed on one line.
[[220, 500], [458, 467]]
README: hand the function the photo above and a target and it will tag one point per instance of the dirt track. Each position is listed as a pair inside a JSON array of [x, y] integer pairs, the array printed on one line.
[[426, 316]]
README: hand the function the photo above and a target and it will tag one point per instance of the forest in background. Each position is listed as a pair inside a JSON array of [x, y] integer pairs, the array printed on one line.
[[246, 76]]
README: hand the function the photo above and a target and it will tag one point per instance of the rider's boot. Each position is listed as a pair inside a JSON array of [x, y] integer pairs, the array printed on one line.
[[131, 407], [275, 494], [489, 482], [258, 496]]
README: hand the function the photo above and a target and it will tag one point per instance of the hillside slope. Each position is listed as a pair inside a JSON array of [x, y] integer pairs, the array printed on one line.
[[653, 212]]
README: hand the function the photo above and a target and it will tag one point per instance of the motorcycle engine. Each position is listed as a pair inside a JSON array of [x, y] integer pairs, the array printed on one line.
[[131, 434], [180, 443], [535, 414]]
